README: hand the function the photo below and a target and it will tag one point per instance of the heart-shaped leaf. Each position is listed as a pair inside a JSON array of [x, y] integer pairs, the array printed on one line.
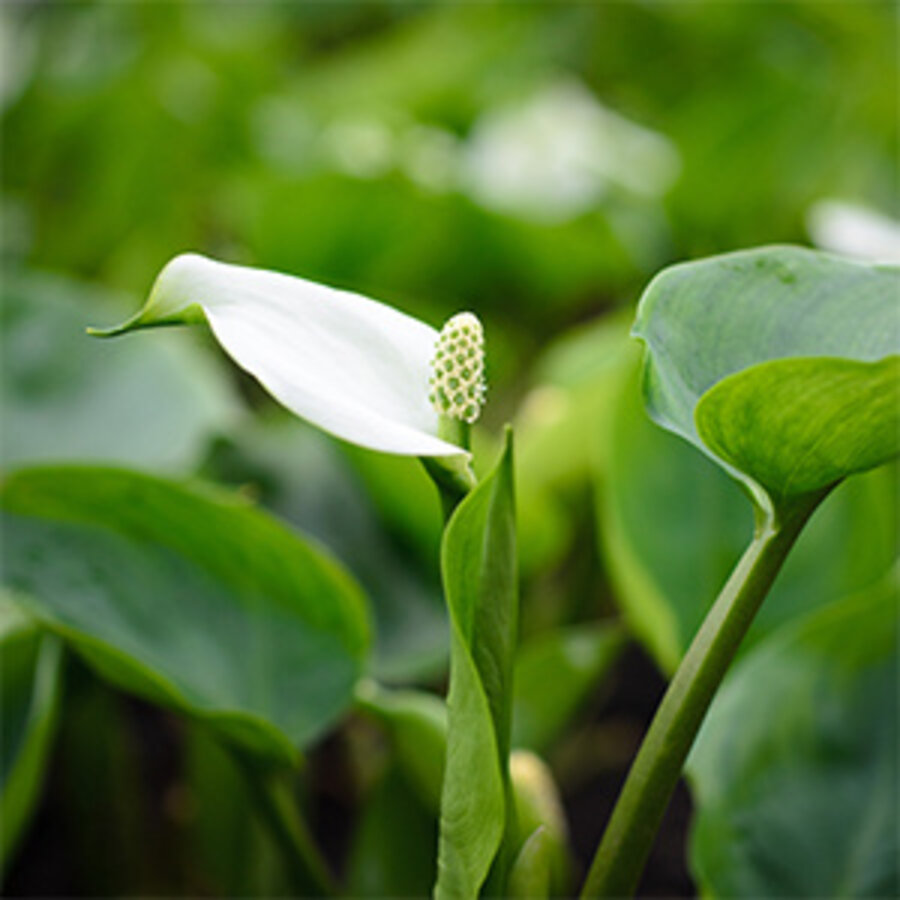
[[667, 566], [188, 598], [478, 561], [302, 476], [29, 691], [776, 362], [795, 770]]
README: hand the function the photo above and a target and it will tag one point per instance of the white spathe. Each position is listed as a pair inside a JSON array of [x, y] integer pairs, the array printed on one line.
[[353, 367]]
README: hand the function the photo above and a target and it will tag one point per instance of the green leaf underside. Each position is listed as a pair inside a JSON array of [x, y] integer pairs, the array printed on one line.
[[708, 320], [672, 526], [795, 771], [30, 667], [800, 424], [188, 599], [478, 561]]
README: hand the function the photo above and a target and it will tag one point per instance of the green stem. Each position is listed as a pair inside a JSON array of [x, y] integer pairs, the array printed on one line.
[[623, 851], [452, 475], [277, 807]]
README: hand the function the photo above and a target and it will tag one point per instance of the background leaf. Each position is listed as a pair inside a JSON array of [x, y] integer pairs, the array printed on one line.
[[66, 396], [188, 599], [479, 567], [708, 320], [795, 770], [555, 673], [30, 670], [224, 832], [394, 847], [417, 724], [303, 477]]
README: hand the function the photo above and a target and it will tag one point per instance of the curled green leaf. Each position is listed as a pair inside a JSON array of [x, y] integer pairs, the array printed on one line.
[[777, 363]]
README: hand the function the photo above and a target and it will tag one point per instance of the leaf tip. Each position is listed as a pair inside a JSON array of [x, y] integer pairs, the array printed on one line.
[[112, 331]]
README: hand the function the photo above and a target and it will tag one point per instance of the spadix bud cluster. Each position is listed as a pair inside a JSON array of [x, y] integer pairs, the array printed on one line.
[[457, 382]]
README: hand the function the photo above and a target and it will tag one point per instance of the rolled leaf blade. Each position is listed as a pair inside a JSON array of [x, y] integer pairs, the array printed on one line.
[[478, 562]]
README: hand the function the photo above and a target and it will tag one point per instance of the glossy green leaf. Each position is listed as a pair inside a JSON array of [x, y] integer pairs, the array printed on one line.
[[759, 358], [478, 561], [555, 672], [667, 566], [795, 771], [30, 667], [189, 599], [302, 476], [810, 441], [65, 396]]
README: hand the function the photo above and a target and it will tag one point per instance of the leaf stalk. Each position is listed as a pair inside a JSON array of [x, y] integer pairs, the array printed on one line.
[[277, 807], [626, 843]]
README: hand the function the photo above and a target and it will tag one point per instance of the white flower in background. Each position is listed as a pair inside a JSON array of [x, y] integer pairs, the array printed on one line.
[[854, 230], [553, 156], [549, 157], [18, 46], [354, 367], [361, 146], [429, 157]]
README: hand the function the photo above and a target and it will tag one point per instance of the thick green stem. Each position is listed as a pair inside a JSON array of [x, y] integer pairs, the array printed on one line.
[[623, 851], [453, 476], [277, 807]]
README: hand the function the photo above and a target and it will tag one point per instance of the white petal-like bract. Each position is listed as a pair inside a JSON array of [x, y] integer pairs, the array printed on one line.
[[353, 367]]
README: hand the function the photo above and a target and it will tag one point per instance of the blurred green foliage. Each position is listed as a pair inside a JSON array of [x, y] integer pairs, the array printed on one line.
[[422, 154], [327, 143]]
